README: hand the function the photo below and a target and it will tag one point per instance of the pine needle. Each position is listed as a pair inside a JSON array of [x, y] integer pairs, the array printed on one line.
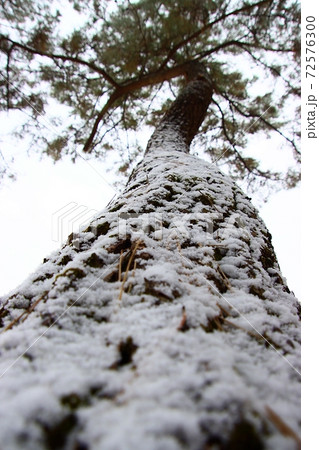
[[120, 265], [227, 282], [128, 268], [281, 426]]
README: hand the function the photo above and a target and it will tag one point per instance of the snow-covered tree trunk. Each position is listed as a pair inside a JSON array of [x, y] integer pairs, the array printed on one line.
[[165, 324]]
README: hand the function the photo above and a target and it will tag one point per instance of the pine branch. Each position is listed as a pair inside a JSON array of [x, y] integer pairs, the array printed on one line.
[[207, 27], [69, 58], [243, 46], [255, 171], [128, 88], [274, 70], [263, 120]]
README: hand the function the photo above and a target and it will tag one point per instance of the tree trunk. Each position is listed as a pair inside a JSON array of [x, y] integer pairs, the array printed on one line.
[[166, 324]]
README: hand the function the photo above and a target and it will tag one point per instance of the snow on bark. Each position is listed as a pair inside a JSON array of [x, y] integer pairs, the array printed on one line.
[[189, 348], [165, 324]]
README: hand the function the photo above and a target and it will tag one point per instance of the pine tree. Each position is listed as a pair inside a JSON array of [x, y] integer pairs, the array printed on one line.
[[165, 324], [114, 73]]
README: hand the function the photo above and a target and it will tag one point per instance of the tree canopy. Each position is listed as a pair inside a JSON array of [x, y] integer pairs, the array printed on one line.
[[121, 66]]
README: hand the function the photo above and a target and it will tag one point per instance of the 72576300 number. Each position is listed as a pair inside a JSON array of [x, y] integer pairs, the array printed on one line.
[[310, 42]]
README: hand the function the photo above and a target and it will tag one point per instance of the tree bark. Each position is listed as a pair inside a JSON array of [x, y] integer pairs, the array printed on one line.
[[182, 121], [165, 324]]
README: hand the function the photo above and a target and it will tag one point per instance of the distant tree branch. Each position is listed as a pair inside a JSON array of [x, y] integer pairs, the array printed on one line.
[[8, 76], [207, 26], [135, 12], [53, 56], [262, 119], [254, 170], [112, 99], [293, 89], [128, 88], [244, 46], [291, 142]]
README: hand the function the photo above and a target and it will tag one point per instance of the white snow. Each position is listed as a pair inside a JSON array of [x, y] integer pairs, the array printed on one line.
[[172, 386]]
